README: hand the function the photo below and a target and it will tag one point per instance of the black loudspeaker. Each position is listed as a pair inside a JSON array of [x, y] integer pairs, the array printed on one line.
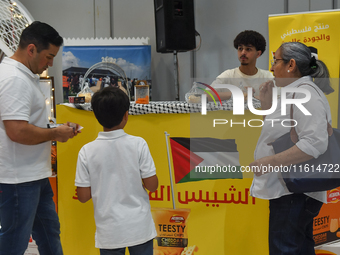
[[175, 25]]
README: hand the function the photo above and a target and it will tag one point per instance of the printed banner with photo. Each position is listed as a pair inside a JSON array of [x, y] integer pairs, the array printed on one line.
[[102, 66], [319, 30]]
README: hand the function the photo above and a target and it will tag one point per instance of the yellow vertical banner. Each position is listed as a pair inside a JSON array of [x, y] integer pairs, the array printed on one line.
[[321, 31], [315, 29]]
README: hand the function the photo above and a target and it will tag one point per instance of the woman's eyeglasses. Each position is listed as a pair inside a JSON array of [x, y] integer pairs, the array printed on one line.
[[273, 61]]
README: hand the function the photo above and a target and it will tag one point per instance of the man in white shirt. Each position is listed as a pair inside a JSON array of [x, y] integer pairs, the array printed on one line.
[[26, 197], [250, 46]]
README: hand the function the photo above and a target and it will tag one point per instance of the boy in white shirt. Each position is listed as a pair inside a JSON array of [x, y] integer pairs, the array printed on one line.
[[112, 170]]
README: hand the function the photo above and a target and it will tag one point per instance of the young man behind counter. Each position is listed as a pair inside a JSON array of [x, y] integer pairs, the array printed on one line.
[[250, 45]]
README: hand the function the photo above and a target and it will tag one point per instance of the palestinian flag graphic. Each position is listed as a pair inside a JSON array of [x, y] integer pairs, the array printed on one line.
[[197, 159]]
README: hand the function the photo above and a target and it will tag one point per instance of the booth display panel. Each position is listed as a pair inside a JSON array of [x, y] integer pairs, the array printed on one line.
[[214, 226]]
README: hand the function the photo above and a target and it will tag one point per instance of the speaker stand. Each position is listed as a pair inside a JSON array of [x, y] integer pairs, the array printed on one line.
[[176, 75]]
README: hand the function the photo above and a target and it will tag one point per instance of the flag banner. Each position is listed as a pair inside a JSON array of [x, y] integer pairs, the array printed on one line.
[[197, 159]]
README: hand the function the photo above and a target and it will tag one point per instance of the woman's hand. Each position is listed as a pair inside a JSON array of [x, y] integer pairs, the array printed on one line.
[[260, 166], [289, 157], [266, 94]]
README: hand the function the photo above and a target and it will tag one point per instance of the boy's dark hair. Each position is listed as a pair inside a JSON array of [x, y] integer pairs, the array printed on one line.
[[41, 35], [109, 106], [251, 37]]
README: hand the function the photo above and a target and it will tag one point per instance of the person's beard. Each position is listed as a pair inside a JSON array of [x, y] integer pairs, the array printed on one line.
[[242, 61]]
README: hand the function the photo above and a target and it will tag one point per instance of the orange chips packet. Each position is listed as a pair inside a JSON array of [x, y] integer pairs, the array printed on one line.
[[171, 226]]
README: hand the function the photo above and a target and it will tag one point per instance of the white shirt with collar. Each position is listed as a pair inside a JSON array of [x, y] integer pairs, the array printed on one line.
[[113, 166], [313, 138], [22, 99]]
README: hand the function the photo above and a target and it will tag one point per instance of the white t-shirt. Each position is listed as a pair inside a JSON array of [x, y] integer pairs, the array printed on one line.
[[237, 78], [22, 99], [113, 166], [313, 139]]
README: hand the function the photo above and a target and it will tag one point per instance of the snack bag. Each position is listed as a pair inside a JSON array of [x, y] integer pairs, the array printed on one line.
[[189, 250], [171, 226], [86, 92], [334, 226]]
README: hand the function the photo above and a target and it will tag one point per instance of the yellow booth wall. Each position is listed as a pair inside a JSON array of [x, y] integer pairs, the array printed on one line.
[[236, 226]]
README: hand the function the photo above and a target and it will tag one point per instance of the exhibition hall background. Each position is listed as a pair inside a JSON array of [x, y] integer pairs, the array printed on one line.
[[217, 21]]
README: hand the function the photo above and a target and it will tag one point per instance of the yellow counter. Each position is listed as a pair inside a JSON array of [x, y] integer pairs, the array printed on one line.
[[239, 226]]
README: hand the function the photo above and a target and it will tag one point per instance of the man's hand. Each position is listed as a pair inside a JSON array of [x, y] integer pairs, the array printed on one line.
[[64, 132], [21, 131]]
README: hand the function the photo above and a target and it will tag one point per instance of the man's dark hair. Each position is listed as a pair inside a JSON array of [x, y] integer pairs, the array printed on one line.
[[41, 35], [109, 106], [251, 37]]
